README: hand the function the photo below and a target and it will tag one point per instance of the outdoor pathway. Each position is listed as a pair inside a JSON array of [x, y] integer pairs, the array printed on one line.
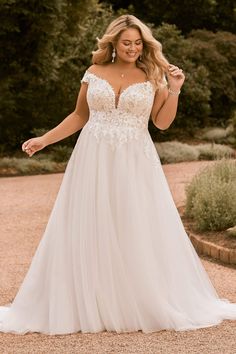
[[25, 206]]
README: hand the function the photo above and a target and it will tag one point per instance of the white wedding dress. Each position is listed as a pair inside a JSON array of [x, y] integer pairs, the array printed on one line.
[[115, 255]]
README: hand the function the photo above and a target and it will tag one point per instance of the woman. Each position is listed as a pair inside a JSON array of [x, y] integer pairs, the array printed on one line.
[[115, 255]]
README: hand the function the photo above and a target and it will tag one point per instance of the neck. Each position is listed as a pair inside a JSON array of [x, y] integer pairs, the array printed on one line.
[[124, 66]]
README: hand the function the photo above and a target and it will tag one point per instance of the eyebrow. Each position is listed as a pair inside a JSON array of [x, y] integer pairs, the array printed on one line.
[[128, 40]]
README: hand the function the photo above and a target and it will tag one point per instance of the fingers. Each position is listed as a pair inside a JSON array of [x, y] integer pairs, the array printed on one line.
[[175, 71], [24, 145], [27, 147]]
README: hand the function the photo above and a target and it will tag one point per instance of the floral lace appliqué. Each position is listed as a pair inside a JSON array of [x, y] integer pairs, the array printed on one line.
[[120, 122]]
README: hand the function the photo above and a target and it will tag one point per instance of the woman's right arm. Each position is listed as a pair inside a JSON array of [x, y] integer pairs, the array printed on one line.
[[70, 125]]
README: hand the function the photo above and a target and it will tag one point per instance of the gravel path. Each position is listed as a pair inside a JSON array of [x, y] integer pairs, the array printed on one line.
[[25, 206]]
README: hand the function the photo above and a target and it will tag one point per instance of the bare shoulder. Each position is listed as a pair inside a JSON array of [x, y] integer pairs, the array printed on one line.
[[96, 69]]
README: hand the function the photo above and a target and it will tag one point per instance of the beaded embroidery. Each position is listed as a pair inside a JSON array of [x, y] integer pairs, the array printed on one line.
[[122, 122]]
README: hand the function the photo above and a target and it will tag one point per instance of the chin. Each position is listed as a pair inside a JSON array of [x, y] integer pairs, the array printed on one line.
[[130, 60]]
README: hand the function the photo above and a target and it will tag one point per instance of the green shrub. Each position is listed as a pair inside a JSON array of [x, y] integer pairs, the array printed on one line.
[[214, 151], [216, 51], [215, 134], [61, 153], [173, 152], [211, 197], [233, 127], [27, 166], [231, 231]]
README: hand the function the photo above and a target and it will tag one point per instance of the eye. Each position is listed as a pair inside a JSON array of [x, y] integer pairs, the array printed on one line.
[[139, 42]]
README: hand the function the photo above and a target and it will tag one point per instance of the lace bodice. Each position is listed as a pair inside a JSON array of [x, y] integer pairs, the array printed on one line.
[[136, 99], [132, 110], [122, 121]]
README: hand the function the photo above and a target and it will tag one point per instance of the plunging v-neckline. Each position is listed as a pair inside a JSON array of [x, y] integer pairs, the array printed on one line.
[[116, 102]]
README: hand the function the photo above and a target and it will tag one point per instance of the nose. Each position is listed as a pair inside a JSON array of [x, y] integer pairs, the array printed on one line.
[[132, 45]]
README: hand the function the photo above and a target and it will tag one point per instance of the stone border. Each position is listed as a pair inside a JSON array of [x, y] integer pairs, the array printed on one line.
[[212, 250]]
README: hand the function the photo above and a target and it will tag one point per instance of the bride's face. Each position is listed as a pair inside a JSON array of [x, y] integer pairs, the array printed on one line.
[[129, 45]]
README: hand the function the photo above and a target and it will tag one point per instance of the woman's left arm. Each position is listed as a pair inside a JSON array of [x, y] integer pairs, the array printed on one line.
[[166, 100]]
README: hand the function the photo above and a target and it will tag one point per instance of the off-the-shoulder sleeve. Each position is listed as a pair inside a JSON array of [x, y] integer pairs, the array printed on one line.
[[86, 77]]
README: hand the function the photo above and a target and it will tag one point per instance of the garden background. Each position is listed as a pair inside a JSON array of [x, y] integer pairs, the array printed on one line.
[[46, 47]]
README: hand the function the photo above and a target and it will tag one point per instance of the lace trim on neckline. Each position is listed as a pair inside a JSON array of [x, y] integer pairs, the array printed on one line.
[[113, 90]]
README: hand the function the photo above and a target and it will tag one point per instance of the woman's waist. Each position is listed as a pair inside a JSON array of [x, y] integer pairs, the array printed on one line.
[[117, 120]]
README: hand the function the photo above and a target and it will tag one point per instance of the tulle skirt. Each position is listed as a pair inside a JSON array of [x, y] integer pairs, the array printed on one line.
[[114, 255]]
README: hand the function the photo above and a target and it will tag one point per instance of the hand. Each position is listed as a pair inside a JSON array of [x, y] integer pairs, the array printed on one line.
[[175, 77], [33, 145]]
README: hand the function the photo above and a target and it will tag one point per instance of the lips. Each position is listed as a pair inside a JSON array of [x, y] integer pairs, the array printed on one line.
[[132, 54]]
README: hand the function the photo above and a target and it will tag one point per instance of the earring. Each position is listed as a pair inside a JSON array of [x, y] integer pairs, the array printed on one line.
[[140, 57], [113, 55]]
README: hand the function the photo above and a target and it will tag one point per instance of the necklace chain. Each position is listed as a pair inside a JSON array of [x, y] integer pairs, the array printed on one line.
[[123, 74]]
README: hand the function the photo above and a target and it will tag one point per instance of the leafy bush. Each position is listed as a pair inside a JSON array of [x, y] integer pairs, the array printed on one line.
[[218, 134], [195, 92], [213, 15], [231, 231], [174, 151], [47, 48], [215, 134], [232, 122], [26, 166], [209, 92], [61, 153], [214, 151], [217, 53], [211, 197]]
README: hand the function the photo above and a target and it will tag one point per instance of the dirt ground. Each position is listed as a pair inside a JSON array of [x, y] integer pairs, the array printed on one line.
[[25, 206]]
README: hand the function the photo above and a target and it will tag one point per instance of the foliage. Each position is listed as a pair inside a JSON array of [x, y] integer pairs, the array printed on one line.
[[174, 151], [233, 125], [214, 151], [43, 56], [54, 158], [26, 166], [217, 53], [208, 59], [186, 14], [215, 134], [195, 92], [218, 134], [61, 153], [75, 57], [28, 32], [231, 231], [211, 197], [46, 47]]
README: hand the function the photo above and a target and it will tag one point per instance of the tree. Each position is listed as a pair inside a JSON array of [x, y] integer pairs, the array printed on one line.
[[212, 15], [217, 52], [208, 59], [45, 47], [28, 31]]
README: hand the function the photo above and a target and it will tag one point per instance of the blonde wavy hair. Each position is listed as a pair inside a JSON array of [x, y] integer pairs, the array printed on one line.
[[153, 62]]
